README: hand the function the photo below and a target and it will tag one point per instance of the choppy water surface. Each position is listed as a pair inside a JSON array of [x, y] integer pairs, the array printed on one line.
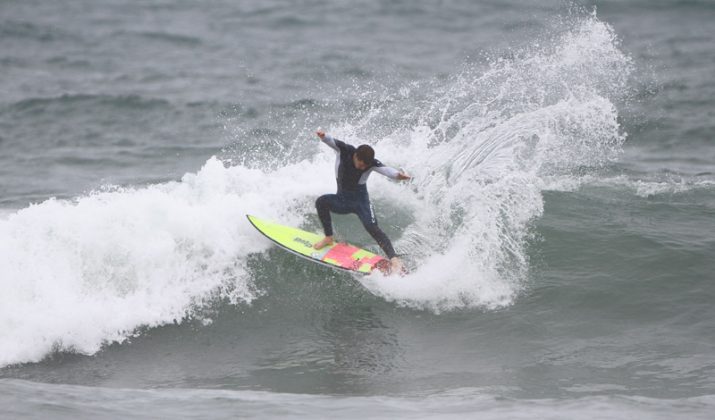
[[560, 221]]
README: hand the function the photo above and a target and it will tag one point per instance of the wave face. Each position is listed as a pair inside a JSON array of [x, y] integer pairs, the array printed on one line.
[[482, 147]]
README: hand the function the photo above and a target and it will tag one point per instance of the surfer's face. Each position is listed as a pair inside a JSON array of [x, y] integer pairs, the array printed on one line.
[[359, 164]]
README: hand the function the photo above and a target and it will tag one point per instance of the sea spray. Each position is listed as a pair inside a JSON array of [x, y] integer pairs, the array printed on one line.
[[481, 155]]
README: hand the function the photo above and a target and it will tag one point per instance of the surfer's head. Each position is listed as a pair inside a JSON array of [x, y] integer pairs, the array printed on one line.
[[364, 157]]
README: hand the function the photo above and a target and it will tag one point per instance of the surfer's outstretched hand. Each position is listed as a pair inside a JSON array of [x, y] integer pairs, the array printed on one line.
[[402, 176], [320, 133]]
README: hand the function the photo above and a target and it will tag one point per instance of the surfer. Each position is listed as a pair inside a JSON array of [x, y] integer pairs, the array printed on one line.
[[352, 168]]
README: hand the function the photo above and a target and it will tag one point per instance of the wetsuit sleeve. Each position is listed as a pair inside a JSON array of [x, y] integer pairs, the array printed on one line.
[[387, 171], [331, 142]]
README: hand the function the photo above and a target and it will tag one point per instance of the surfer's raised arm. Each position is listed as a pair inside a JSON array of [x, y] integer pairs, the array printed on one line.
[[327, 139]]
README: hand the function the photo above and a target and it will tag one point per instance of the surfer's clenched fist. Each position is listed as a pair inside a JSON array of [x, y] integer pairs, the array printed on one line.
[[320, 133]]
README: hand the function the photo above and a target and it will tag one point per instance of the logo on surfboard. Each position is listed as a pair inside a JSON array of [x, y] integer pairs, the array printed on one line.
[[303, 241]]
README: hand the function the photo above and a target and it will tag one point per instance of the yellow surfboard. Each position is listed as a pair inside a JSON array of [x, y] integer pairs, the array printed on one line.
[[299, 242]]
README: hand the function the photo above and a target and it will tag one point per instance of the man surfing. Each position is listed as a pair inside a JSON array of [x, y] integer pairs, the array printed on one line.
[[352, 168]]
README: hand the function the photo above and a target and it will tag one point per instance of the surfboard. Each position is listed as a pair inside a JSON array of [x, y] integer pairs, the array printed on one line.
[[339, 255]]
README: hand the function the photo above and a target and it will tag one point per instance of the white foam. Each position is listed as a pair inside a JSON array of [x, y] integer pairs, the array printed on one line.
[[643, 187], [77, 274]]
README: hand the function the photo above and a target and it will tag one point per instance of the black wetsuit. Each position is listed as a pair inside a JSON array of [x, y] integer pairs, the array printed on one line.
[[352, 194]]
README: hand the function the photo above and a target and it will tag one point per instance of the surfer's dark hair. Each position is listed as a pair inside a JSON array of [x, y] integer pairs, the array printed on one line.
[[366, 154]]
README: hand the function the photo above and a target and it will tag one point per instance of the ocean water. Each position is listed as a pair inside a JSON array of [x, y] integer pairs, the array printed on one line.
[[560, 227]]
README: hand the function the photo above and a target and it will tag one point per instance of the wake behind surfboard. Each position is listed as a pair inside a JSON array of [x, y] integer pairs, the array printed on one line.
[[339, 255]]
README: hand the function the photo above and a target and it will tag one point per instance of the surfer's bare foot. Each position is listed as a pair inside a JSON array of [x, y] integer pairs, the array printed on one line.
[[396, 265], [328, 240], [383, 266]]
